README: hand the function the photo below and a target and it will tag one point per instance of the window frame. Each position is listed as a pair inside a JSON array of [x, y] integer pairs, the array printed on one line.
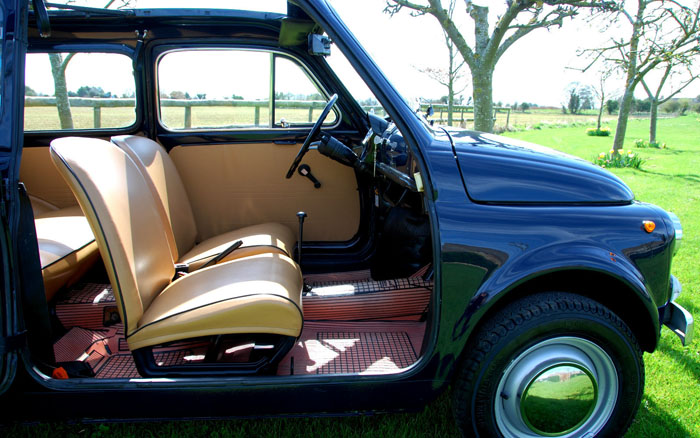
[[120, 49], [272, 125]]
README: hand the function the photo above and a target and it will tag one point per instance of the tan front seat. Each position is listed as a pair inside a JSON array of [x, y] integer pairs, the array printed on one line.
[[254, 295], [167, 186]]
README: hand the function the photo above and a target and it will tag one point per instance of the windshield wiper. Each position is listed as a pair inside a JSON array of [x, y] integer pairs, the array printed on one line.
[[91, 11]]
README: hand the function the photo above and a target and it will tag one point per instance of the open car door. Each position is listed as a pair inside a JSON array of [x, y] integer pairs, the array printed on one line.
[[13, 34]]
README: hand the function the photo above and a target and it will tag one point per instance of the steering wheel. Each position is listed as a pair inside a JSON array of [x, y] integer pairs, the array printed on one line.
[[312, 135]]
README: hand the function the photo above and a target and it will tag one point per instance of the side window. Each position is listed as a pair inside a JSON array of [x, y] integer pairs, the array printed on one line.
[[78, 91], [235, 89]]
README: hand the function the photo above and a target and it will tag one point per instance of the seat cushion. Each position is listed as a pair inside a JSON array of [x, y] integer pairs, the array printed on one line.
[[67, 247], [258, 294], [257, 239]]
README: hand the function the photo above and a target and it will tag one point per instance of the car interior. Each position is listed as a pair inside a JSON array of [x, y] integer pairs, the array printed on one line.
[[193, 248]]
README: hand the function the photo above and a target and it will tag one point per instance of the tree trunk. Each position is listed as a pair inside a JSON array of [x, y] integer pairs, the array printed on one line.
[[622, 116], [450, 99], [600, 110], [483, 99], [653, 113], [61, 90]]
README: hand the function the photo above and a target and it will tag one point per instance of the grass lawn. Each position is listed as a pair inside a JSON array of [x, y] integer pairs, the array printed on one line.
[[669, 178]]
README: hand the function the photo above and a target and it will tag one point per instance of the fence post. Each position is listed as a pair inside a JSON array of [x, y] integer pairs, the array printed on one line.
[[96, 117], [188, 116], [507, 118], [257, 115], [311, 113]]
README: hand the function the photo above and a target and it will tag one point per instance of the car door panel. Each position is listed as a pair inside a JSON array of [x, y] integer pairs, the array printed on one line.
[[235, 185]]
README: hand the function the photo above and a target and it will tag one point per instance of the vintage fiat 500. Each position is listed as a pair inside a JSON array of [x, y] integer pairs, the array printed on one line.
[[203, 217]]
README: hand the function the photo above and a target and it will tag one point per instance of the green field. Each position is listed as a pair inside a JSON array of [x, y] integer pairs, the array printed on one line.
[[669, 178], [45, 118]]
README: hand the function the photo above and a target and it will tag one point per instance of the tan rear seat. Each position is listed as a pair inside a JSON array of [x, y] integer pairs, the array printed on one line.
[[67, 247]]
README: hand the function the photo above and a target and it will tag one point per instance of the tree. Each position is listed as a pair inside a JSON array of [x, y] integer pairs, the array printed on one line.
[[29, 91], [659, 30], [453, 75], [524, 106], [179, 95], [58, 71], [670, 67], [519, 18], [612, 106], [577, 97], [600, 91]]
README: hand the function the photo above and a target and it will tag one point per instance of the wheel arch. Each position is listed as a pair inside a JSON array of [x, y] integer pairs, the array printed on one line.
[[613, 291]]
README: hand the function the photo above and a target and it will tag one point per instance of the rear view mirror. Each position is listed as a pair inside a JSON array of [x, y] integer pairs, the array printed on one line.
[[319, 45]]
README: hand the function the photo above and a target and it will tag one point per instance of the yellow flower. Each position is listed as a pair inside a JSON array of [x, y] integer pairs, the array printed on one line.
[[602, 155], [612, 151], [621, 151], [631, 155]]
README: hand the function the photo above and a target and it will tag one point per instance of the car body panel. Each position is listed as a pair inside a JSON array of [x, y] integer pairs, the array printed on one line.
[[482, 250]]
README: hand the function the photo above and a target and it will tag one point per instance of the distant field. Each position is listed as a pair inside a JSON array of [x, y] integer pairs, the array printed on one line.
[[46, 118]]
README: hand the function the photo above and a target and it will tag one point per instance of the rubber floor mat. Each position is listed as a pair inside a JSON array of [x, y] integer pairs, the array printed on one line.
[[362, 348], [401, 299]]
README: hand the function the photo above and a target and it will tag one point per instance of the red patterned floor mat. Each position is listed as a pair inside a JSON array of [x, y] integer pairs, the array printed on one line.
[[364, 348], [403, 299], [352, 325], [92, 306]]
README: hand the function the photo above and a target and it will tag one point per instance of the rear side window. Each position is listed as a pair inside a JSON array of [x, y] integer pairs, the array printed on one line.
[[236, 89], [78, 91]]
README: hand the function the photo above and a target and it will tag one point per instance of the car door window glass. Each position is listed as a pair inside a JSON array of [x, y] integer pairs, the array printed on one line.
[[78, 91], [297, 99], [231, 88]]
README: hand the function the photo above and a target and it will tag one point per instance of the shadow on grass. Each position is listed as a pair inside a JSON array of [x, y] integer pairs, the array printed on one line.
[[435, 420], [690, 177], [687, 361], [653, 421]]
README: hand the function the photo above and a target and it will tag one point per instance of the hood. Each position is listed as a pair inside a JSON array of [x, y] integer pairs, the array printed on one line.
[[498, 169]]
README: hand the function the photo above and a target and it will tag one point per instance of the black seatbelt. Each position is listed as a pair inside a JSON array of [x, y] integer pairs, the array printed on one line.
[[34, 307]]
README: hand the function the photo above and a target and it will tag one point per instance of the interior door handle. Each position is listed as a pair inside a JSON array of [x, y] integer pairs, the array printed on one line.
[[305, 170]]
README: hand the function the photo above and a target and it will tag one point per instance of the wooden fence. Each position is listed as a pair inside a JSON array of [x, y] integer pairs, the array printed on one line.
[[98, 103], [461, 111], [464, 113]]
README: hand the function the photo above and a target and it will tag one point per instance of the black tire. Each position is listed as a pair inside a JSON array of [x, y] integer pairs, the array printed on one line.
[[532, 327]]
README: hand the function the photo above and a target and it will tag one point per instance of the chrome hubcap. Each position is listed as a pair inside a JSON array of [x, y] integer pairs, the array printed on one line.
[[564, 387]]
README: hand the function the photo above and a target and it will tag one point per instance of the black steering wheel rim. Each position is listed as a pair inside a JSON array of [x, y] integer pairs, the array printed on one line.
[[312, 134]]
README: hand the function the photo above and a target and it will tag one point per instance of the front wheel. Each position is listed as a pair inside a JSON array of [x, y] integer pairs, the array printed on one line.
[[552, 364]]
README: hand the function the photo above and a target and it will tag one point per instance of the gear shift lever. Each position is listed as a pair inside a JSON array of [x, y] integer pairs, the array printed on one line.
[[301, 215]]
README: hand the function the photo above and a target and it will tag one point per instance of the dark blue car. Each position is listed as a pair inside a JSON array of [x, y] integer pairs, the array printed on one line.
[[214, 213]]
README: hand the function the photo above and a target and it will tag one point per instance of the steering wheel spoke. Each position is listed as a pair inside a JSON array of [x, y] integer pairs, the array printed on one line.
[[315, 130]]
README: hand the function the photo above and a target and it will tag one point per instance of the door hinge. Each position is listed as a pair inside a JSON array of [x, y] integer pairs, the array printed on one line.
[[12, 343]]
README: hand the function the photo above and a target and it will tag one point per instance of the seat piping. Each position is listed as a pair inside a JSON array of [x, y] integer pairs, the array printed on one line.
[[109, 251], [72, 252], [217, 302]]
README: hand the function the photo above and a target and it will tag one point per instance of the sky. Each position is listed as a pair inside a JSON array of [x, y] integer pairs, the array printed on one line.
[[536, 69]]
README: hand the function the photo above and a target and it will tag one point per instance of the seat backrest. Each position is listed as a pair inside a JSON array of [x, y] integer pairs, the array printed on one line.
[[167, 185], [125, 218]]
